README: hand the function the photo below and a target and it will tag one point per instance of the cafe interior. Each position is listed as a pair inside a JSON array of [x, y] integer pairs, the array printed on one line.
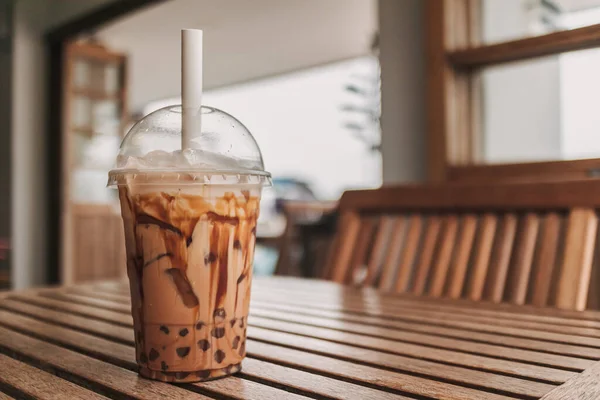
[[429, 228], [411, 144]]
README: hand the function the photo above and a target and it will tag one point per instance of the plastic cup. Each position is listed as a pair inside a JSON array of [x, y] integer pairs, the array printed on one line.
[[190, 230]]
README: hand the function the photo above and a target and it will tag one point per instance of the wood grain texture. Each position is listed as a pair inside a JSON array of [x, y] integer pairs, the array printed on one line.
[[499, 267], [317, 339], [458, 331], [365, 374], [577, 264], [341, 252], [103, 377], [403, 364], [358, 263], [545, 264], [523, 49], [427, 251], [386, 281], [379, 250], [585, 386], [525, 172], [483, 252], [516, 289], [444, 256], [432, 339], [30, 381], [409, 253], [461, 259], [464, 197]]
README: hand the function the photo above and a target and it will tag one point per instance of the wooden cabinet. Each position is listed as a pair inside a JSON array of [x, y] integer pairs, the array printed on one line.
[[94, 97]]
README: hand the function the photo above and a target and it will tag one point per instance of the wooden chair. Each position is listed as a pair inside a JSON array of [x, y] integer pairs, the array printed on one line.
[[524, 243]]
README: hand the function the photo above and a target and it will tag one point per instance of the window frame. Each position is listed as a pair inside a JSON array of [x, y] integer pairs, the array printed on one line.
[[454, 56]]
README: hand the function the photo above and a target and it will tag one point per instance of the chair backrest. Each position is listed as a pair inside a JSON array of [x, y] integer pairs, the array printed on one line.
[[524, 243]]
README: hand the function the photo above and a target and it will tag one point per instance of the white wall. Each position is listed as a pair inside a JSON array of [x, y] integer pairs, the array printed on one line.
[[402, 91], [32, 19], [243, 40]]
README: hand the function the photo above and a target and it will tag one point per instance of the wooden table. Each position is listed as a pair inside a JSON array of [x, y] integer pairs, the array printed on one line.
[[308, 339]]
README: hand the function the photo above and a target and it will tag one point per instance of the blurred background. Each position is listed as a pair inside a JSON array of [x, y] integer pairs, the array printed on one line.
[[339, 94]]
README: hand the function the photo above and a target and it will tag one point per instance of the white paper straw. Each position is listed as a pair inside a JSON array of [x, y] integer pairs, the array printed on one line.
[[191, 84]]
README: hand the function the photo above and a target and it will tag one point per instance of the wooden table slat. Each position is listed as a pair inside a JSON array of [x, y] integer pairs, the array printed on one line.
[[320, 287], [443, 319], [420, 352], [452, 308], [366, 374], [533, 357], [406, 365], [26, 380], [104, 329], [123, 355], [312, 339], [585, 386], [443, 331], [104, 378]]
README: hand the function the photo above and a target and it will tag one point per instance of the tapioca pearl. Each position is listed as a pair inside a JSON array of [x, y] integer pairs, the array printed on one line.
[[184, 332], [164, 366], [182, 351], [179, 375], [243, 348], [153, 355], [237, 245], [203, 344], [219, 315], [164, 329], [236, 342], [218, 332], [219, 356], [205, 373], [232, 322], [210, 258], [199, 325], [242, 322]]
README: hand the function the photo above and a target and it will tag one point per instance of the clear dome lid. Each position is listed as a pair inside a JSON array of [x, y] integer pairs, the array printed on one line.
[[223, 152]]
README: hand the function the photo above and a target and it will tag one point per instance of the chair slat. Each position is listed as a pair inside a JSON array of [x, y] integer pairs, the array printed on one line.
[[517, 286], [341, 252], [358, 270], [501, 259], [577, 263], [546, 260], [461, 259], [444, 256], [483, 252], [386, 280], [406, 266], [423, 267], [379, 249]]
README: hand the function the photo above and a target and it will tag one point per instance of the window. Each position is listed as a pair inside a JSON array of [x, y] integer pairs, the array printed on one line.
[[513, 85]]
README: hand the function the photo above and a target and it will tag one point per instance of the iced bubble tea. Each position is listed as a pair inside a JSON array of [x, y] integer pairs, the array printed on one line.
[[190, 229]]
